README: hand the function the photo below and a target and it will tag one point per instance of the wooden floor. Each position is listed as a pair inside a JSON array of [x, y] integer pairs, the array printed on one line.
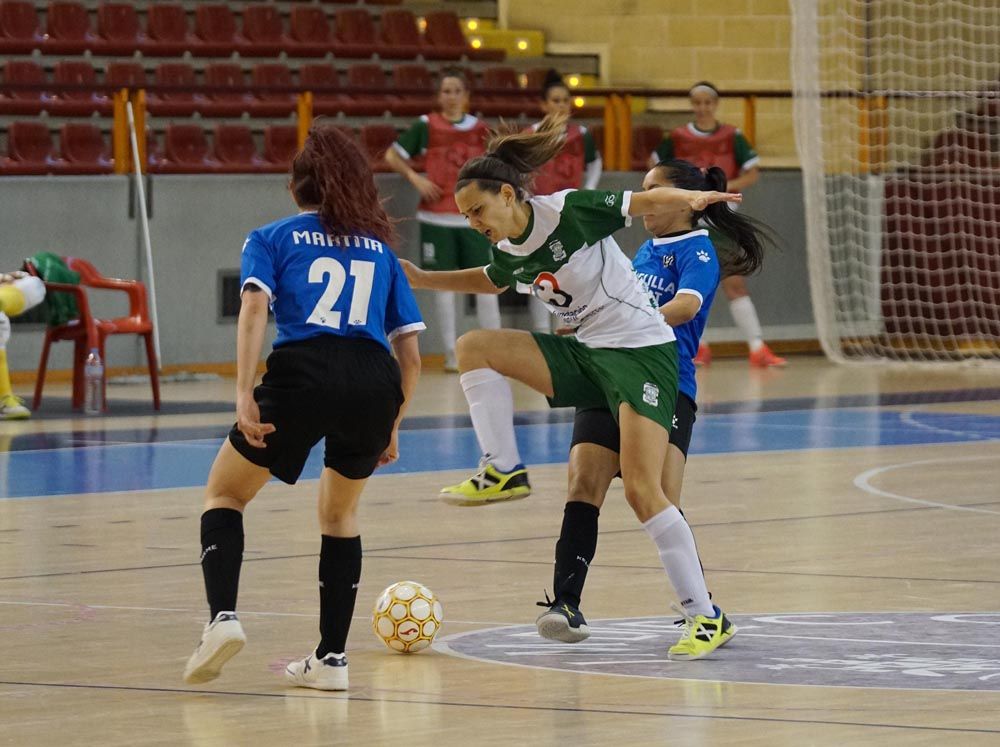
[[101, 598]]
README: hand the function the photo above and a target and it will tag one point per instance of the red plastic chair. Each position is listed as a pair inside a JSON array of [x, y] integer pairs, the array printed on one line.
[[19, 30], [77, 103], [263, 33], [179, 103], [167, 31], [83, 149], [444, 32], [226, 75], [125, 75], [185, 151], [499, 105], [67, 28], [309, 32], [22, 102], [235, 150], [645, 139], [29, 149], [375, 140], [272, 104], [214, 30], [405, 79], [118, 29], [87, 331], [369, 75], [281, 143], [329, 103], [354, 33]]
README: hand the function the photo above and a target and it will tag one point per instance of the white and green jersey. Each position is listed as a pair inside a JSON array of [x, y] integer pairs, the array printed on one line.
[[567, 258]]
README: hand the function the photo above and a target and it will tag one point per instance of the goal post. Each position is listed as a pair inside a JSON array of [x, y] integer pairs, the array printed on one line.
[[897, 123]]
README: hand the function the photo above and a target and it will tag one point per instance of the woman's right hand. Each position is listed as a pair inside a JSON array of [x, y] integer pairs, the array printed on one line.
[[248, 421], [413, 273], [701, 200], [429, 191]]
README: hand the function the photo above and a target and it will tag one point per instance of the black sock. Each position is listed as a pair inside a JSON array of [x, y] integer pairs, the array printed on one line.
[[221, 557], [339, 574], [575, 550]]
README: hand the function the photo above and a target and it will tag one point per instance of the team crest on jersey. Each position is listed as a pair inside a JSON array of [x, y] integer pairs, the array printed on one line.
[[651, 394], [546, 289], [668, 260], [703, 256], [558, 253]]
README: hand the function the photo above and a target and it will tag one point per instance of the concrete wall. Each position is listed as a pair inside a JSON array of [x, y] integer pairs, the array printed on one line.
[[198, 224]]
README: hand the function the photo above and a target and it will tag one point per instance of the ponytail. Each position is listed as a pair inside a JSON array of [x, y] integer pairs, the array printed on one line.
[[512, 156], [332, 174], [747, 234]]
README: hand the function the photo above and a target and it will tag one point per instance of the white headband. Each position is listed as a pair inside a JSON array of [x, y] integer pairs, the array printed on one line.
[[704, 89]]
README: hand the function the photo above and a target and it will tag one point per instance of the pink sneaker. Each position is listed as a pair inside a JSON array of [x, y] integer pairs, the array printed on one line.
[[704, 355], [764, 358]]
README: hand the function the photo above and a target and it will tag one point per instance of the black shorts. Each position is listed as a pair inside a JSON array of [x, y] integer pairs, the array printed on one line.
[[346, 390], [598, 426]]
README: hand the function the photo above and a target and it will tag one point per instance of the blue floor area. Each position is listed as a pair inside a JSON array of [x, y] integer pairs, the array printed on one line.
[[89, 462]]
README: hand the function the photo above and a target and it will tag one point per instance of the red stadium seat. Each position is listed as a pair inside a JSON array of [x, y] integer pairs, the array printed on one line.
[[77, 103], [214, 30], [409, 102], [499, 105], [645, 138], [83, 149], [118, 30], [400, 36], [185, 151], [309, 32], [22, 102], [181, 103], [375, 140], [354, 33], [281, 143], [369, 75], [67, 29], [167, 31], [263, 33], [272, 104], [125, 75], [311, 76], [29, 149], [234, 149], [444, 33], [227, 74], [19, 30]]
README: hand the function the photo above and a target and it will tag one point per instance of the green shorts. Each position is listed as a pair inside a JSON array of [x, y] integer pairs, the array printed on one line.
[[644, 378], [447, 248]]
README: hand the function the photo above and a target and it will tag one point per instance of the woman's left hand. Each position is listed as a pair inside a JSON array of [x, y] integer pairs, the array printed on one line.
[[701, 200], [391, 453]]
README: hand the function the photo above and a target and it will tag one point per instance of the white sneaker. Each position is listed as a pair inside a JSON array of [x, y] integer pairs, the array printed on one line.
[[328, 673], [12, 408], [222, 639]]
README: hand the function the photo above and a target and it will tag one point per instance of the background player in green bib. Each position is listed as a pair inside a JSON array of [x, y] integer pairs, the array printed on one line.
[[559, 248], [446, 139], [577, 165], [707, 142]]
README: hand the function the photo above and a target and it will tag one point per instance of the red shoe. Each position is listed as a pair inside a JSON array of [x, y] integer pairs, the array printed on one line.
[[704, 355], [764, 358]]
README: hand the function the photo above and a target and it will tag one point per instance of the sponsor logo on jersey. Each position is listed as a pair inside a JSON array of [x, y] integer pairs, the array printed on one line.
[[610, 200], [546, 289], [668, 260], [651, 394], [703, 256]]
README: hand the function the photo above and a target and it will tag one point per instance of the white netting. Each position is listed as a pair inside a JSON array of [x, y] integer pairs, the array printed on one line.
[[897, 119]]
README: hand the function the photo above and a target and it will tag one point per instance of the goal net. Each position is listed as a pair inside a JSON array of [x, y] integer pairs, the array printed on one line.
[[897, 122]]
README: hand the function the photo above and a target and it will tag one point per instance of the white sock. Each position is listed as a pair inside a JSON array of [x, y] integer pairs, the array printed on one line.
[[445, 306], [488, 310], [491, 405], [541, 319], [679, 556], [745, 316]]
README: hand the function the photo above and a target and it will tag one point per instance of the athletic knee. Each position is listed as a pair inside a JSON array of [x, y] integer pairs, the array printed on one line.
[[587, 489], [471, 349], [645, 497]]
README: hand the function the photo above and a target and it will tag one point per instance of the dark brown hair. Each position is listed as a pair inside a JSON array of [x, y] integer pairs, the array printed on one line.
[[453, 72], [512, 156], [332, 174]]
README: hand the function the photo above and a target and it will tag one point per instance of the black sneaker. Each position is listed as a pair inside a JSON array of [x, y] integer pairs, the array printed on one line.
[[561, 622]]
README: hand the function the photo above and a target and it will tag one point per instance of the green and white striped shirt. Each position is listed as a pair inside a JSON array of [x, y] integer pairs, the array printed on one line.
[[568, 259]]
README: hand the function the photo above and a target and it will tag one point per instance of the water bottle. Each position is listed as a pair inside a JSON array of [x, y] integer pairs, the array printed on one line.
[[93, 383]]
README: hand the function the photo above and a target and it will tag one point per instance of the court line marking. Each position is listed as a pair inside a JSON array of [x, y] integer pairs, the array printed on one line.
[[863, 482], [910, 418], [500, 706]]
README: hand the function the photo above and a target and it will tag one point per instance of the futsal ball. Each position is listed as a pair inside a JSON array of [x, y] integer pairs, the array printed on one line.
[[407, 616]]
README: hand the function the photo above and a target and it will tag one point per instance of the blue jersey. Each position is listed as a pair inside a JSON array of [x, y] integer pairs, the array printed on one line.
[[682, 264], [323, 284]]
